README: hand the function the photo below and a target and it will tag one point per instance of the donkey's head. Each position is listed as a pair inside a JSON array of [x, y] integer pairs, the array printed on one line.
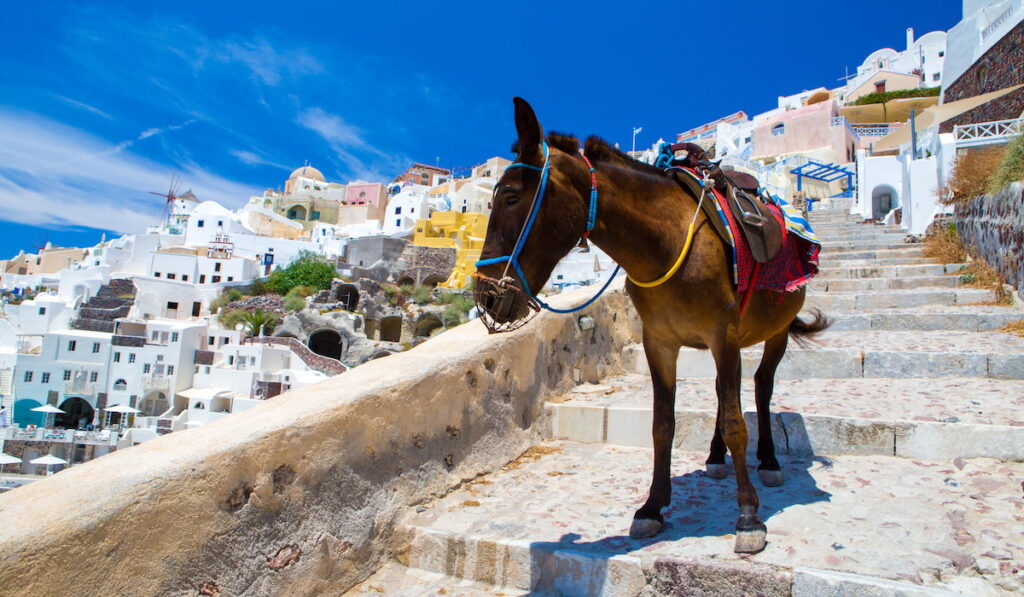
[[538, 214]]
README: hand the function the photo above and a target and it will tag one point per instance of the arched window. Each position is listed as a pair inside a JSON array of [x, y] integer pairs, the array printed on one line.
[[121, 384], [779, 129]]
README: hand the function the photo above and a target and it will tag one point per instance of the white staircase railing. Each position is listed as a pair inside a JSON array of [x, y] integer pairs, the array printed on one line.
[[987, 133]]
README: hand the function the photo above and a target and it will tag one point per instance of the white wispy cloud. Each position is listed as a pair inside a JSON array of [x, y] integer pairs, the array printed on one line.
[[52, 174], [250, 158], [85, 106], [346, 140], [267, 63]]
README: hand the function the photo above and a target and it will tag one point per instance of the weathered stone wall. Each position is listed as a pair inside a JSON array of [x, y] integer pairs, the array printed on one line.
[[321, 473], [1000, 67], [421, 264], [993, 226]]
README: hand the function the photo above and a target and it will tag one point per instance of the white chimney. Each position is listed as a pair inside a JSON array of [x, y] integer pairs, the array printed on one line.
[[910, 37]]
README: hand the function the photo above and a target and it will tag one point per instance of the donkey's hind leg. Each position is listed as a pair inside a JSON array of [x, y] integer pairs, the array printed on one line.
[[661, 358], [764, 383], [750, 531], [714, 466]]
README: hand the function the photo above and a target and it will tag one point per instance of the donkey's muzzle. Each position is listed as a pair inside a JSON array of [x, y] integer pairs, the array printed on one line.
[[502, 303]]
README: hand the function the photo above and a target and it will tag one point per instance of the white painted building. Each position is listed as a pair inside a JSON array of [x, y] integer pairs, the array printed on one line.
[[581, 268], [405, 207], [923, 57], [46, 312], [984, 23]]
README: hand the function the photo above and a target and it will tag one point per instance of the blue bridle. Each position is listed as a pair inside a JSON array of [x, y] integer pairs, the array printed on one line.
[[538, 198]]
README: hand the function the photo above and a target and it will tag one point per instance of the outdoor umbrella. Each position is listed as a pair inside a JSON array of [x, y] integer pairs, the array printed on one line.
[[123, 409], [6, 459], [48, 460], [47, 409]]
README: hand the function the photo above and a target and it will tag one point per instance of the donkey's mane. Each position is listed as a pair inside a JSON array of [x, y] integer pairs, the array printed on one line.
[[598, 150]]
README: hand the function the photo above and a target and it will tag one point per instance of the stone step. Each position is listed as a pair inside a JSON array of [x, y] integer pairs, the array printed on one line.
[[859, 234], [871, 269], [906, 252], [396, 579], [868, 284], [871, 354], [895, 299], [828, 245], [845, 226], [963, 318], [556, 522], [933, 418], [831, 260]]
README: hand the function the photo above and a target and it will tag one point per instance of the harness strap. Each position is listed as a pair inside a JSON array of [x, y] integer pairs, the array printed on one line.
[[512, 260], [686, 245], [592, 213]]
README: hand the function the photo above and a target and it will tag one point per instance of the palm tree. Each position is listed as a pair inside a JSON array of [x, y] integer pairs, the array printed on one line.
[[259, 322]]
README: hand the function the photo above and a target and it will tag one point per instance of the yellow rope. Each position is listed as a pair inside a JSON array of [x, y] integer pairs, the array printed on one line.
[[682, 255]]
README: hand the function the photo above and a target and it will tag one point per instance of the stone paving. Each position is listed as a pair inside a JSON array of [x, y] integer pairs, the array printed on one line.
[[900, 432], [948, 399], [941, 523]]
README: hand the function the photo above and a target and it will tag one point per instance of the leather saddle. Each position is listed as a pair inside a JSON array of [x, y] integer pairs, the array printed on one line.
[[760, 227]]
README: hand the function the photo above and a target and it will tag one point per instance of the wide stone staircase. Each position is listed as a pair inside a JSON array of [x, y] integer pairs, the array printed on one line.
[[900, 432], [112, 300]]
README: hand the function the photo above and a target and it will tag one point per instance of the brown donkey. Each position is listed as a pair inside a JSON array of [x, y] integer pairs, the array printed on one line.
[[641, 223]]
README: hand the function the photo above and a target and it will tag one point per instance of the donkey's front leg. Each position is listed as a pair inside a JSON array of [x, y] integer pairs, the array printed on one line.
[[661, 358]]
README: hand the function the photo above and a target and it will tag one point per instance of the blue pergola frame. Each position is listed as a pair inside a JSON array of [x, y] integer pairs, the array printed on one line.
[[823, 172]]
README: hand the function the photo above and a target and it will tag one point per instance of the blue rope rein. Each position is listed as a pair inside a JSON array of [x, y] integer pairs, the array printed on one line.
[[538, 198]]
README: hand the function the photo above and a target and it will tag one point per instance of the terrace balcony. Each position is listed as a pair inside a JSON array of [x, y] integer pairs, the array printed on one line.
[[156, 382], [79, 388], [104, 437]]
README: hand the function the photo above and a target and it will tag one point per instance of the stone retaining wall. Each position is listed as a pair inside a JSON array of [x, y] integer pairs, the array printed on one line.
[[1000, 67], [300, 495], [93, 325], [993, 226]]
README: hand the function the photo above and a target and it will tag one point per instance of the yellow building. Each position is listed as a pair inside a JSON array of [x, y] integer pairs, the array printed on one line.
[[463, 232]]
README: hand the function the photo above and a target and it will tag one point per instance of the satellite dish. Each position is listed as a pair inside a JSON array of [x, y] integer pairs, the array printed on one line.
[[239, 327]]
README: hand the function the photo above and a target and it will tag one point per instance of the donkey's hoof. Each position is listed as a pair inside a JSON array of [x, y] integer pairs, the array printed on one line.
[[770, 478], [752, 541], [643, 528], [716, 471]]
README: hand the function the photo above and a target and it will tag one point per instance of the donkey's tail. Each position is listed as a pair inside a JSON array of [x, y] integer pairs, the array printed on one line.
[[803, 331]]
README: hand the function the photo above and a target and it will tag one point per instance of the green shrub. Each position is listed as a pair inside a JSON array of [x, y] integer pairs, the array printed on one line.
[[229, 318], [457, 299], [301, 291], [257, 288], [884, 96], [420, 294], [226, 297], [294, 303], [1011, 168], [451, 316], [309, 269]]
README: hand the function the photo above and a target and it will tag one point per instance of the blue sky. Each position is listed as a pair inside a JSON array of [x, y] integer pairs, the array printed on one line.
[[101, 103]]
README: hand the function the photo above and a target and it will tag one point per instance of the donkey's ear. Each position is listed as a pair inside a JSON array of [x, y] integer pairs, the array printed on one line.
[[530, 133]]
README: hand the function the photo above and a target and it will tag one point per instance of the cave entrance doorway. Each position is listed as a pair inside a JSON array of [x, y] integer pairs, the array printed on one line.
[[391, 329], [347, 294], [327, 343]]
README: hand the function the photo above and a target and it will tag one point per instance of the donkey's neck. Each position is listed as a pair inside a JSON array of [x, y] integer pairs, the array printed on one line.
[[641, 220]]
